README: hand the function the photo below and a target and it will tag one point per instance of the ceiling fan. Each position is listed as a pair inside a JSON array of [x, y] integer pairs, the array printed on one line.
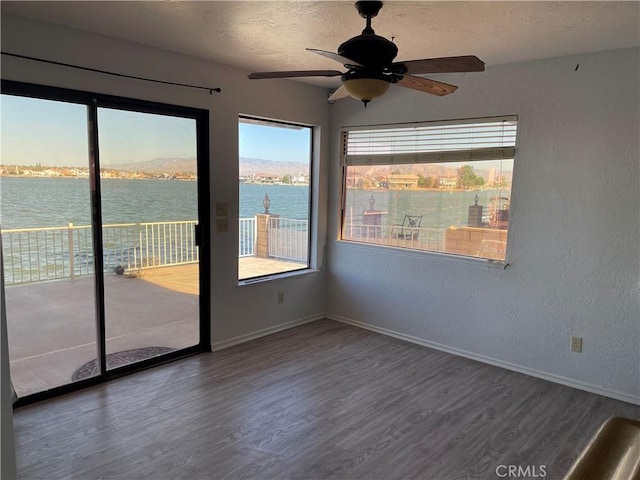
[[368, 59]]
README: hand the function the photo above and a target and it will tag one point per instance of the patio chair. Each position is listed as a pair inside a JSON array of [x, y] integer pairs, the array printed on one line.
[[409, 229]]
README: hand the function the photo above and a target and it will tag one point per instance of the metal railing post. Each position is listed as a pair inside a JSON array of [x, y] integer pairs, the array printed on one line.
[[139, 265], [71, 256]]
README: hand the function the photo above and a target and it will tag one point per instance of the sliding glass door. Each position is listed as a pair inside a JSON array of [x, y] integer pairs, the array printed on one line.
[[101, 200], [149, 193], [47, 240]]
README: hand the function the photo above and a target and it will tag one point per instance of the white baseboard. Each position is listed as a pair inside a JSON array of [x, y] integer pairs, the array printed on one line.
[[264, 332], [623, 396]]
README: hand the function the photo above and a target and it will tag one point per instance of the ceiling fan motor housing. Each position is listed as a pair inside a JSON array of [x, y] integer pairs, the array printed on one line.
[[370, 50]]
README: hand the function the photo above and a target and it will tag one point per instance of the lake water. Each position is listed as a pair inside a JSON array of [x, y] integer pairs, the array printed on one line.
[[55, 202]]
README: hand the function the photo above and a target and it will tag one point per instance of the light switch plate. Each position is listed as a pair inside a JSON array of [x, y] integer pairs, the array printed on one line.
[[222, 209], [222, 225]]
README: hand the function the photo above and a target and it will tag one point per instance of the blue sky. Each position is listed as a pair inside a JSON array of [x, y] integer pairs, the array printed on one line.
[[55, 134], [38, 131], [129, 137], [276, 143]]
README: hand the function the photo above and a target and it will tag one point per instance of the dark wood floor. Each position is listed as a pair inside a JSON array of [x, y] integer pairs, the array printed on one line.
[[324, 400]]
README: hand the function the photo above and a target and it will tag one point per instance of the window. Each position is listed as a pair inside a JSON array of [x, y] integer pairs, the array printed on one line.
[[441, 187], [275, 178]]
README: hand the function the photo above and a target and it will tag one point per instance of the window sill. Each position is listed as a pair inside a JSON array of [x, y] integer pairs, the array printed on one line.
[[276, 276], [448, 257]]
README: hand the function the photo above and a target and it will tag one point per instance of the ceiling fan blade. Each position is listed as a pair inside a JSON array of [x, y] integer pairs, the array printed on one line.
[[334, 56], [468, 63], [427, 86], [338, 94], [295, 73]]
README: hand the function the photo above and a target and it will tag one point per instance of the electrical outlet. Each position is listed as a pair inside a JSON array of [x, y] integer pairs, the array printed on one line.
[[576, 344], [280, 297], [222, 225], [222, 209]]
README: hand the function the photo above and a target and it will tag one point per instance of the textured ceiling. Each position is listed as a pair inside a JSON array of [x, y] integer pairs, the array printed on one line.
[[265, 35]]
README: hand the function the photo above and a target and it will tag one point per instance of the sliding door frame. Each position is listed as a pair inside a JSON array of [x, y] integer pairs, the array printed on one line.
[[93, 101]]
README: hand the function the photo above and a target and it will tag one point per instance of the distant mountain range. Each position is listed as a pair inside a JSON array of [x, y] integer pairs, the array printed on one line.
[[435, 170], [161, 165], [248, 166]]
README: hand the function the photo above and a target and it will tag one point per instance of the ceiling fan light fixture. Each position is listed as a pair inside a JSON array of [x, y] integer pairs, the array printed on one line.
[[366, 89]]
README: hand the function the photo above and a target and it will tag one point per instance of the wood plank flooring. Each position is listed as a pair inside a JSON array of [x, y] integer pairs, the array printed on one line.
[[322, 401]]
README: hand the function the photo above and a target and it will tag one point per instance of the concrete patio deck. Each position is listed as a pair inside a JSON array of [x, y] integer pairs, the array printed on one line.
[[52, 330]]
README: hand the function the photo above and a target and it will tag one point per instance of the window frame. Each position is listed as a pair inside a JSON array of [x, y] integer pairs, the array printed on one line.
[[390, 158], [254, 119]]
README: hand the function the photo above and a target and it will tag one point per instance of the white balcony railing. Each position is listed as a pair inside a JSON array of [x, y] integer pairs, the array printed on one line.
[[419, 238], [288, 239], [247, 237], [38, 254]]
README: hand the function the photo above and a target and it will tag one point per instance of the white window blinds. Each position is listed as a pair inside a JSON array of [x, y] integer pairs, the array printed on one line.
[[430, 142]]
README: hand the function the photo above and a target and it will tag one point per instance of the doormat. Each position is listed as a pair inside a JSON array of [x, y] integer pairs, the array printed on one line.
[[119, 359]]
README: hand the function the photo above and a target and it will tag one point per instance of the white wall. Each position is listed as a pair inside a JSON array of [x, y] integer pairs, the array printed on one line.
[[573, 248], [236, 311]]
